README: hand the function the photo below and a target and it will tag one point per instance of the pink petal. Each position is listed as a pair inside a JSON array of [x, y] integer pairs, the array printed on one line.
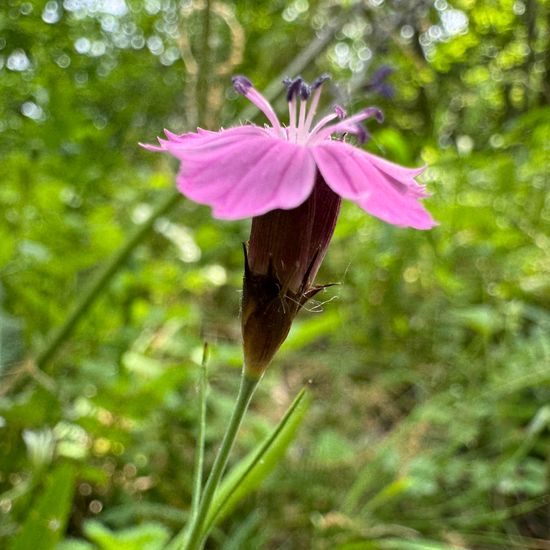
[[150, 147], [400, 175], [243, 172], [181, 138], [171, 138], [205, 140], [405, 213], [205, 132], [385, 190]]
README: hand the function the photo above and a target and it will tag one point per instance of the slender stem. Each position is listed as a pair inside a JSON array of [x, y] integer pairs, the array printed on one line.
[[102, 280], [246, 389], [260, 454], [199, 452]]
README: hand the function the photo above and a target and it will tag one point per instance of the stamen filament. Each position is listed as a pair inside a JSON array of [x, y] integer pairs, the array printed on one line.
[[292, 120], [261, 102], [319, 132], [301, 133], [323, 122], [312, 109]]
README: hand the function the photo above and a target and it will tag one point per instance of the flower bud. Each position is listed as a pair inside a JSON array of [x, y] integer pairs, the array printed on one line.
[[285, 250]]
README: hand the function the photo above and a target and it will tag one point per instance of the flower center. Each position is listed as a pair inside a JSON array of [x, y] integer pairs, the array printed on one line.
[[299, 90], [301, 116]]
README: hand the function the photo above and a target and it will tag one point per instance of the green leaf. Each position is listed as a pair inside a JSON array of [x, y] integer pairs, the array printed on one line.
[[47, 519], [391, 491], [133, 512], [420, 544], [362, 545], [311, 330], [249, 473], [483, 319], [330, 449], [148, 536], [11, 341], [75, 544]]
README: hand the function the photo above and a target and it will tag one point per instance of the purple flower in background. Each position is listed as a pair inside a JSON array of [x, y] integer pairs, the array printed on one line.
[[290, 180], [378, 82]]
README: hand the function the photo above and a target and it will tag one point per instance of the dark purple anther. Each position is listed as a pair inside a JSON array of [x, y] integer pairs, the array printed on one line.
[[376, 113], [241, 84], [320, 80], [340, 112], [293, 86], [305, 91]]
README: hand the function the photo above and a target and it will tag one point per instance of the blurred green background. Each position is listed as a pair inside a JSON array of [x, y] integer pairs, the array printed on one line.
[[428, 367]]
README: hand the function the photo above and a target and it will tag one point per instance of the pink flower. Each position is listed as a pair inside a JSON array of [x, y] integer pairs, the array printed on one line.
[[290, 180], [248, 170]]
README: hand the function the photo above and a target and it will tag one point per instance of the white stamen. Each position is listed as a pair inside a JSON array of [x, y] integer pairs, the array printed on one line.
[[261, 102], [312, 108], [322, 123], [301, 136], [321, 131], [292, 120]]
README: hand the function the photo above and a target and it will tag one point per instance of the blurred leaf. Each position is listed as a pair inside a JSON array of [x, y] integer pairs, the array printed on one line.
[[421, 544], [331, 448], [75, 544], [147, 536], [11, 341], [134, 511], [48, 517], [306, 331], [394, 490], [390, 143], [483, 319]]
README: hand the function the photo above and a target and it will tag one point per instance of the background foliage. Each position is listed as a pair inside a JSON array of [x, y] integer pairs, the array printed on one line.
[[428, 367]]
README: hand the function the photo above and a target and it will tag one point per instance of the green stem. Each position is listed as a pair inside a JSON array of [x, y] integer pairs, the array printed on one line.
[[246, 389], [258, 457], [102, 279], [199, 454]]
